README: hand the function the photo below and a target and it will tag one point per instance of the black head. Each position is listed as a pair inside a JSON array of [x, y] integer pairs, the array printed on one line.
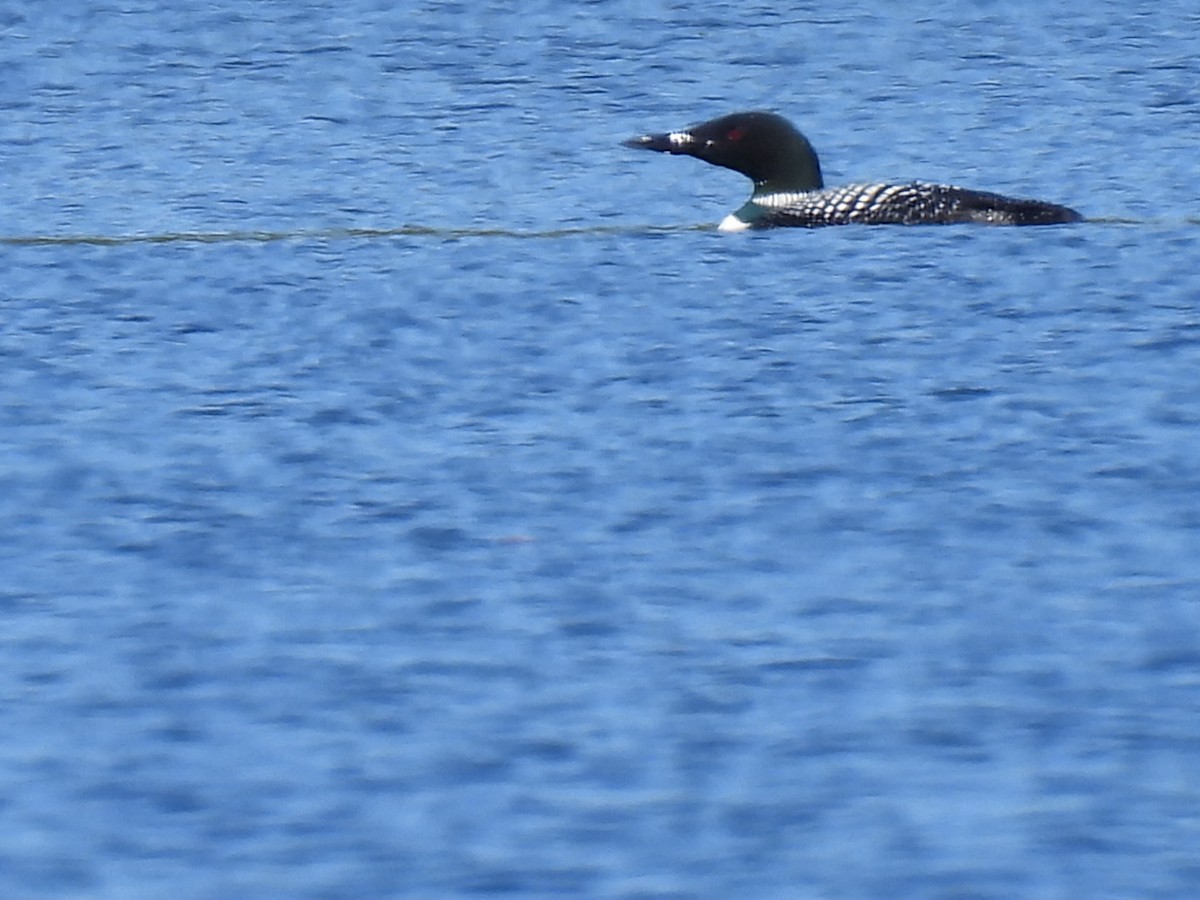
[[761, 145]]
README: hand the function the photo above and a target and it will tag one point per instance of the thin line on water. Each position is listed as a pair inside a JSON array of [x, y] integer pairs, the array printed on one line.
[[219, 237], [334, 234]]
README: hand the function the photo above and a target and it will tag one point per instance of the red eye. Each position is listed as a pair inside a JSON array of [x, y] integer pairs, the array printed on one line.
[[736, 134]]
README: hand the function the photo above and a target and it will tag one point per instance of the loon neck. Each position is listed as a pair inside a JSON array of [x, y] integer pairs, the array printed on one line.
[[798, 173], [795, 171]]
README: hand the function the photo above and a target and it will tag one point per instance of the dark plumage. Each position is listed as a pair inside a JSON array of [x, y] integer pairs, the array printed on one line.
[[789, 189]]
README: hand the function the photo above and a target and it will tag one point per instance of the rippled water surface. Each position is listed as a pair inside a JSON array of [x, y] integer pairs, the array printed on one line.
[[404, 491]]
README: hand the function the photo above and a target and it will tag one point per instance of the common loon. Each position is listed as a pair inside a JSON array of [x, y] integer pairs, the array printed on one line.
[[789, 190]]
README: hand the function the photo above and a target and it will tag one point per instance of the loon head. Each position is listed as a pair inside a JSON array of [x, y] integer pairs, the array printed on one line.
[[763, 146]]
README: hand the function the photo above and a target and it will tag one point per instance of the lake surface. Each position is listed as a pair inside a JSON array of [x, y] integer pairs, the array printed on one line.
[[405, 491]]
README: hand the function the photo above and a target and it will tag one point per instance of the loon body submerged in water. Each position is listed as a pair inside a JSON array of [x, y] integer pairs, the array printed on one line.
[[789, 190]]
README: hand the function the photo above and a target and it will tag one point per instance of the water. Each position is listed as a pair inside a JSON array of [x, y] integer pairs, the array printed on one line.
[[404, 493]]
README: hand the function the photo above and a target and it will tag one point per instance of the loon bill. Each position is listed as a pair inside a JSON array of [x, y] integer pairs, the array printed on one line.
[[789, 190]]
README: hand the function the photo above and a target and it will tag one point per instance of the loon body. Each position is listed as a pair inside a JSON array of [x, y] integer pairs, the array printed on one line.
[[789, 190]]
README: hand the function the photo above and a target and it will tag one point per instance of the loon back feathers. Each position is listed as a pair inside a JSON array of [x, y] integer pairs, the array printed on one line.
[[788, 186], [896, 204]]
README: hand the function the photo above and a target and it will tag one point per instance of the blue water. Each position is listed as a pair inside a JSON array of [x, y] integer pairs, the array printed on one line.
[[404, 491]]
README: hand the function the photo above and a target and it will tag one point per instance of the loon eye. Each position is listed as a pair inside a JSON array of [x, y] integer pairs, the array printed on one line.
[[736, 133]]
